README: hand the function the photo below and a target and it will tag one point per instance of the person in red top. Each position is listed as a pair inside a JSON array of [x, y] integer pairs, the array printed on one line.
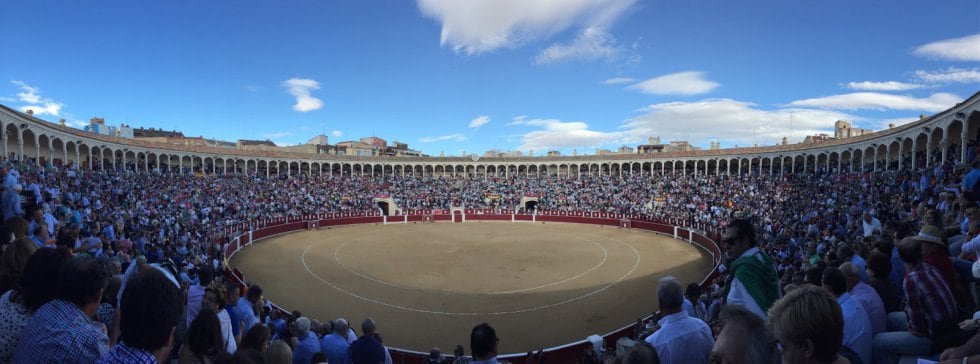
[[936, 253], [929, 303]]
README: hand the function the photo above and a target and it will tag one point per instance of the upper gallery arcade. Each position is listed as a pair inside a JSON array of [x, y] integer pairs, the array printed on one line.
[[33, 140]]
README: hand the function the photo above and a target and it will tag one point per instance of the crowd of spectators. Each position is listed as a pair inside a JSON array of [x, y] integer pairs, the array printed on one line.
[[125, 266]]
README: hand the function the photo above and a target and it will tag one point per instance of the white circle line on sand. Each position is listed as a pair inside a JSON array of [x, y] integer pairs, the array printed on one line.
[[636, 264], [605, 256]]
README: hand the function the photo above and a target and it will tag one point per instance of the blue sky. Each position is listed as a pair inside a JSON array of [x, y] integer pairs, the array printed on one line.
[[472, 75]]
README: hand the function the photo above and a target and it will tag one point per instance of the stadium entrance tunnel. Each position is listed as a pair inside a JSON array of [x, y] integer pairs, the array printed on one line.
[[530, 206], [384, 207]]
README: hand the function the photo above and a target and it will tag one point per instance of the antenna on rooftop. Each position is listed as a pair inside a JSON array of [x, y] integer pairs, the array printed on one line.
[[791, 130]]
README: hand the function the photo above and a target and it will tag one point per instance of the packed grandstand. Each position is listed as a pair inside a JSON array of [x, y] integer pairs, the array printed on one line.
[[886, 223]]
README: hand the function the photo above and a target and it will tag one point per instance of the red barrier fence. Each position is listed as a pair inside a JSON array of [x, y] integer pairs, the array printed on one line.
[[248, 233]]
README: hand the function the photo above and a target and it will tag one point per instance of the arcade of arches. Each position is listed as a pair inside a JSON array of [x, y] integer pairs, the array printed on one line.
[[36, 141]]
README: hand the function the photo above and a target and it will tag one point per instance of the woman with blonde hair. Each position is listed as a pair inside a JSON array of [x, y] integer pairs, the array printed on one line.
[[278, 353]]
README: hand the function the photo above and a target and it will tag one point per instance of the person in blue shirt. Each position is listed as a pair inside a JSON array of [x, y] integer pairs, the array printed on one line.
[[246, 313], [335, 345], [971, 177], [680, 338], [306, 343], [63, 331], [233, 315], [858, 334]]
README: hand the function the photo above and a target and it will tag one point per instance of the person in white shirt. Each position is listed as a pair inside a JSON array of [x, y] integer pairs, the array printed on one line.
[[870, 224], [680, 338]]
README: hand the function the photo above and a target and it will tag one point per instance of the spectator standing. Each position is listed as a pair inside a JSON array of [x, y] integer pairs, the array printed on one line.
[[150, 311], [195, 293], [37, 286], [461, 357], [483, 344], [10, 206], [13, 260], [367, 349], [681, 338], [693, 304], [204, 342], [971, 178], [752, 281], [870, 224], [231, 308], [63, 329], [335, 345], [306, 343], [246, 307]]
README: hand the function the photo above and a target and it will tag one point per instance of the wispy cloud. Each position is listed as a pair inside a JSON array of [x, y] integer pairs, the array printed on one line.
[[518, 120], [557, 134], [474, 26], [479, 121], [252, 88], [337, 133], [950, 75], [592, 44], [277, 135], [454, 137], [731, 122], [39, 104], [301, 89], [617, 81], [882, 86], [957, 49], [880, 101], [680, 83]]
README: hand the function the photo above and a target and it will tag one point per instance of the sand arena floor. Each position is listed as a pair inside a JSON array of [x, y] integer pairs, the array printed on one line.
[[426, 285]]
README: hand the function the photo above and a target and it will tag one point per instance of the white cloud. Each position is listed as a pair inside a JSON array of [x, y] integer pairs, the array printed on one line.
[[37, 103], [28, 93], [479, 26], [731, 122], [50, 108], [479, 121], [880, 101], [957, 49], [883, 124], [301, 88], [882, 86], [680, 83], [278, 135], [617, 80], [557, 134], [337, 133], [592, 44], [949, 75], [75, 123], [454, 137]]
